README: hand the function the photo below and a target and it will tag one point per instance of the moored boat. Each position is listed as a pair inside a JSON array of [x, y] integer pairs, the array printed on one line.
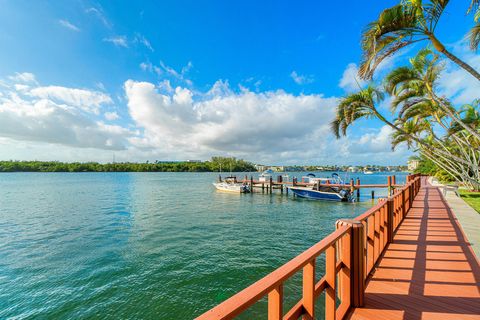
[[230, 184], [323, 193], [265, 175], [321, 190]]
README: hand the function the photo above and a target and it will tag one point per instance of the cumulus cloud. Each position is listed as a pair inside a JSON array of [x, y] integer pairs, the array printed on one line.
[[167, 122], [67, 24], [301, 79], [119, 41], [87, 100], [350, 80], [222, 121], [58, 115], [373, 147], [111, 115]]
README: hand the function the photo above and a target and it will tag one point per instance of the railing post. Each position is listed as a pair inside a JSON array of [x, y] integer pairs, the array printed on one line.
[[404, 211], [275, 303], [331, 277], [357, 262], [389, 185], [390, 218], [309, 290]]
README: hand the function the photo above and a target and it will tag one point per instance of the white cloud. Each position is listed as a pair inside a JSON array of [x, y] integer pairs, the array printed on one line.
[[166, 71], [111, 115], [119, 41], [99, 14], [373, 147], [166, 122], [67, 24], [142, 40], [56, 115], [24, 77], [301, 79], [87, 100], [350, 80], [224, 122]]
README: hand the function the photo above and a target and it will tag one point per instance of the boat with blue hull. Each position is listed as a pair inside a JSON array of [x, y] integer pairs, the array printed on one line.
[[321, 190]]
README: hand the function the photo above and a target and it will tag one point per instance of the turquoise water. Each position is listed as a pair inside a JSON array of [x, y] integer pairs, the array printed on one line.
[[146, 245]]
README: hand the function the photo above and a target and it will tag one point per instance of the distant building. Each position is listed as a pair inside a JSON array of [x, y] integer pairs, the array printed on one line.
[[194, 161], [260, 167], [352, 169], [413, 165]]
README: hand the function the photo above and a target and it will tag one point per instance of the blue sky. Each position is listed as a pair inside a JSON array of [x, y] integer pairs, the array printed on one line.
[[190, 79]]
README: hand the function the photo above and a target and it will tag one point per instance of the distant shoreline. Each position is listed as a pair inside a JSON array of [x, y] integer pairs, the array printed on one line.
[[237, 166]]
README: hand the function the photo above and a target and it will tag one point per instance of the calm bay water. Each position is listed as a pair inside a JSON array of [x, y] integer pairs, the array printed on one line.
[[146, 245]]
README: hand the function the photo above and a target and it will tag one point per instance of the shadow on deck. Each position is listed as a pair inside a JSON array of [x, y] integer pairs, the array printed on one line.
[[429, 271]]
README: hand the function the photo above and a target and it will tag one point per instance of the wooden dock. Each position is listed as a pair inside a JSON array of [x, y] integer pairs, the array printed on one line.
[[405, 258], [281, 185]]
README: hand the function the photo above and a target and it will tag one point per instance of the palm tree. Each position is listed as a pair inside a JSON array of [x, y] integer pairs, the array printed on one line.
[[400, 26], [413, 88], [474, 33]]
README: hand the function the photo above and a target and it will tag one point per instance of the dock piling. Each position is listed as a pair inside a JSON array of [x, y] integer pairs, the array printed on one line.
[[358, 188]]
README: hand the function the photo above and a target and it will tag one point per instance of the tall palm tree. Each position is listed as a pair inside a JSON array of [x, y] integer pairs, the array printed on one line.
[[400, 26], [413, 89], [474, 33]]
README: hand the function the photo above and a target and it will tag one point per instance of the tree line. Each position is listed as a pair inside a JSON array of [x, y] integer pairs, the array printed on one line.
[[213, 165], [445, 135]]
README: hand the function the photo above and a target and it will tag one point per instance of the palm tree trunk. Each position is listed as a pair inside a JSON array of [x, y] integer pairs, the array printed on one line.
[[441, 48], [462, 64]]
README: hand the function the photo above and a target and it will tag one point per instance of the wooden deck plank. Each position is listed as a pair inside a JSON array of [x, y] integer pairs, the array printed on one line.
[[428, 272]]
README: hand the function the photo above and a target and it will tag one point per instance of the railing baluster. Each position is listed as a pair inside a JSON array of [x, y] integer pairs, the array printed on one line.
[[382, 227], [376, 242], [346, 272], [370, 244], [309, 290], [275, 303], [330, 276]]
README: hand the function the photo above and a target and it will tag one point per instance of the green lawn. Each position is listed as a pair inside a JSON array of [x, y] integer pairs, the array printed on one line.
[[472, 198]]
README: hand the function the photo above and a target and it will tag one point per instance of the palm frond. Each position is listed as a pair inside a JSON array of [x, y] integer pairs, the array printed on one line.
[[474, 35]]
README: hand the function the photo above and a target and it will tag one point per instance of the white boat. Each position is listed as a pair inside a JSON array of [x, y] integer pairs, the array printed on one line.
[[265, 176], [367, 172], [231, 185]]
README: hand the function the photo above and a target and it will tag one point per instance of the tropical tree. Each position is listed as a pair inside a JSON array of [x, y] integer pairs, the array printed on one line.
[[402, 25], [474, 33], [413, 87], [421, 120]]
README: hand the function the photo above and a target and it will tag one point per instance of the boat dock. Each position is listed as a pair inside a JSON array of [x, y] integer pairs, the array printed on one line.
[[405, 258], [270, 185]]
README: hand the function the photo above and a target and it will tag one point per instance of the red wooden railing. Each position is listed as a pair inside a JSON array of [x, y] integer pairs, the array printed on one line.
[[351, 252]]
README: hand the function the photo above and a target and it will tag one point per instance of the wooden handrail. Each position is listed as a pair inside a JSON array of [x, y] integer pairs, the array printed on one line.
[[360, 241], [245, 298]]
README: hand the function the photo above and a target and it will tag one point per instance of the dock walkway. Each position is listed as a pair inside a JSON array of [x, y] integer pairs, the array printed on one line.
[[429, 271]]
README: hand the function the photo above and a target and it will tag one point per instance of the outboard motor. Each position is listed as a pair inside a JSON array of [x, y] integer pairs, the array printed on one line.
[[346, 195]]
